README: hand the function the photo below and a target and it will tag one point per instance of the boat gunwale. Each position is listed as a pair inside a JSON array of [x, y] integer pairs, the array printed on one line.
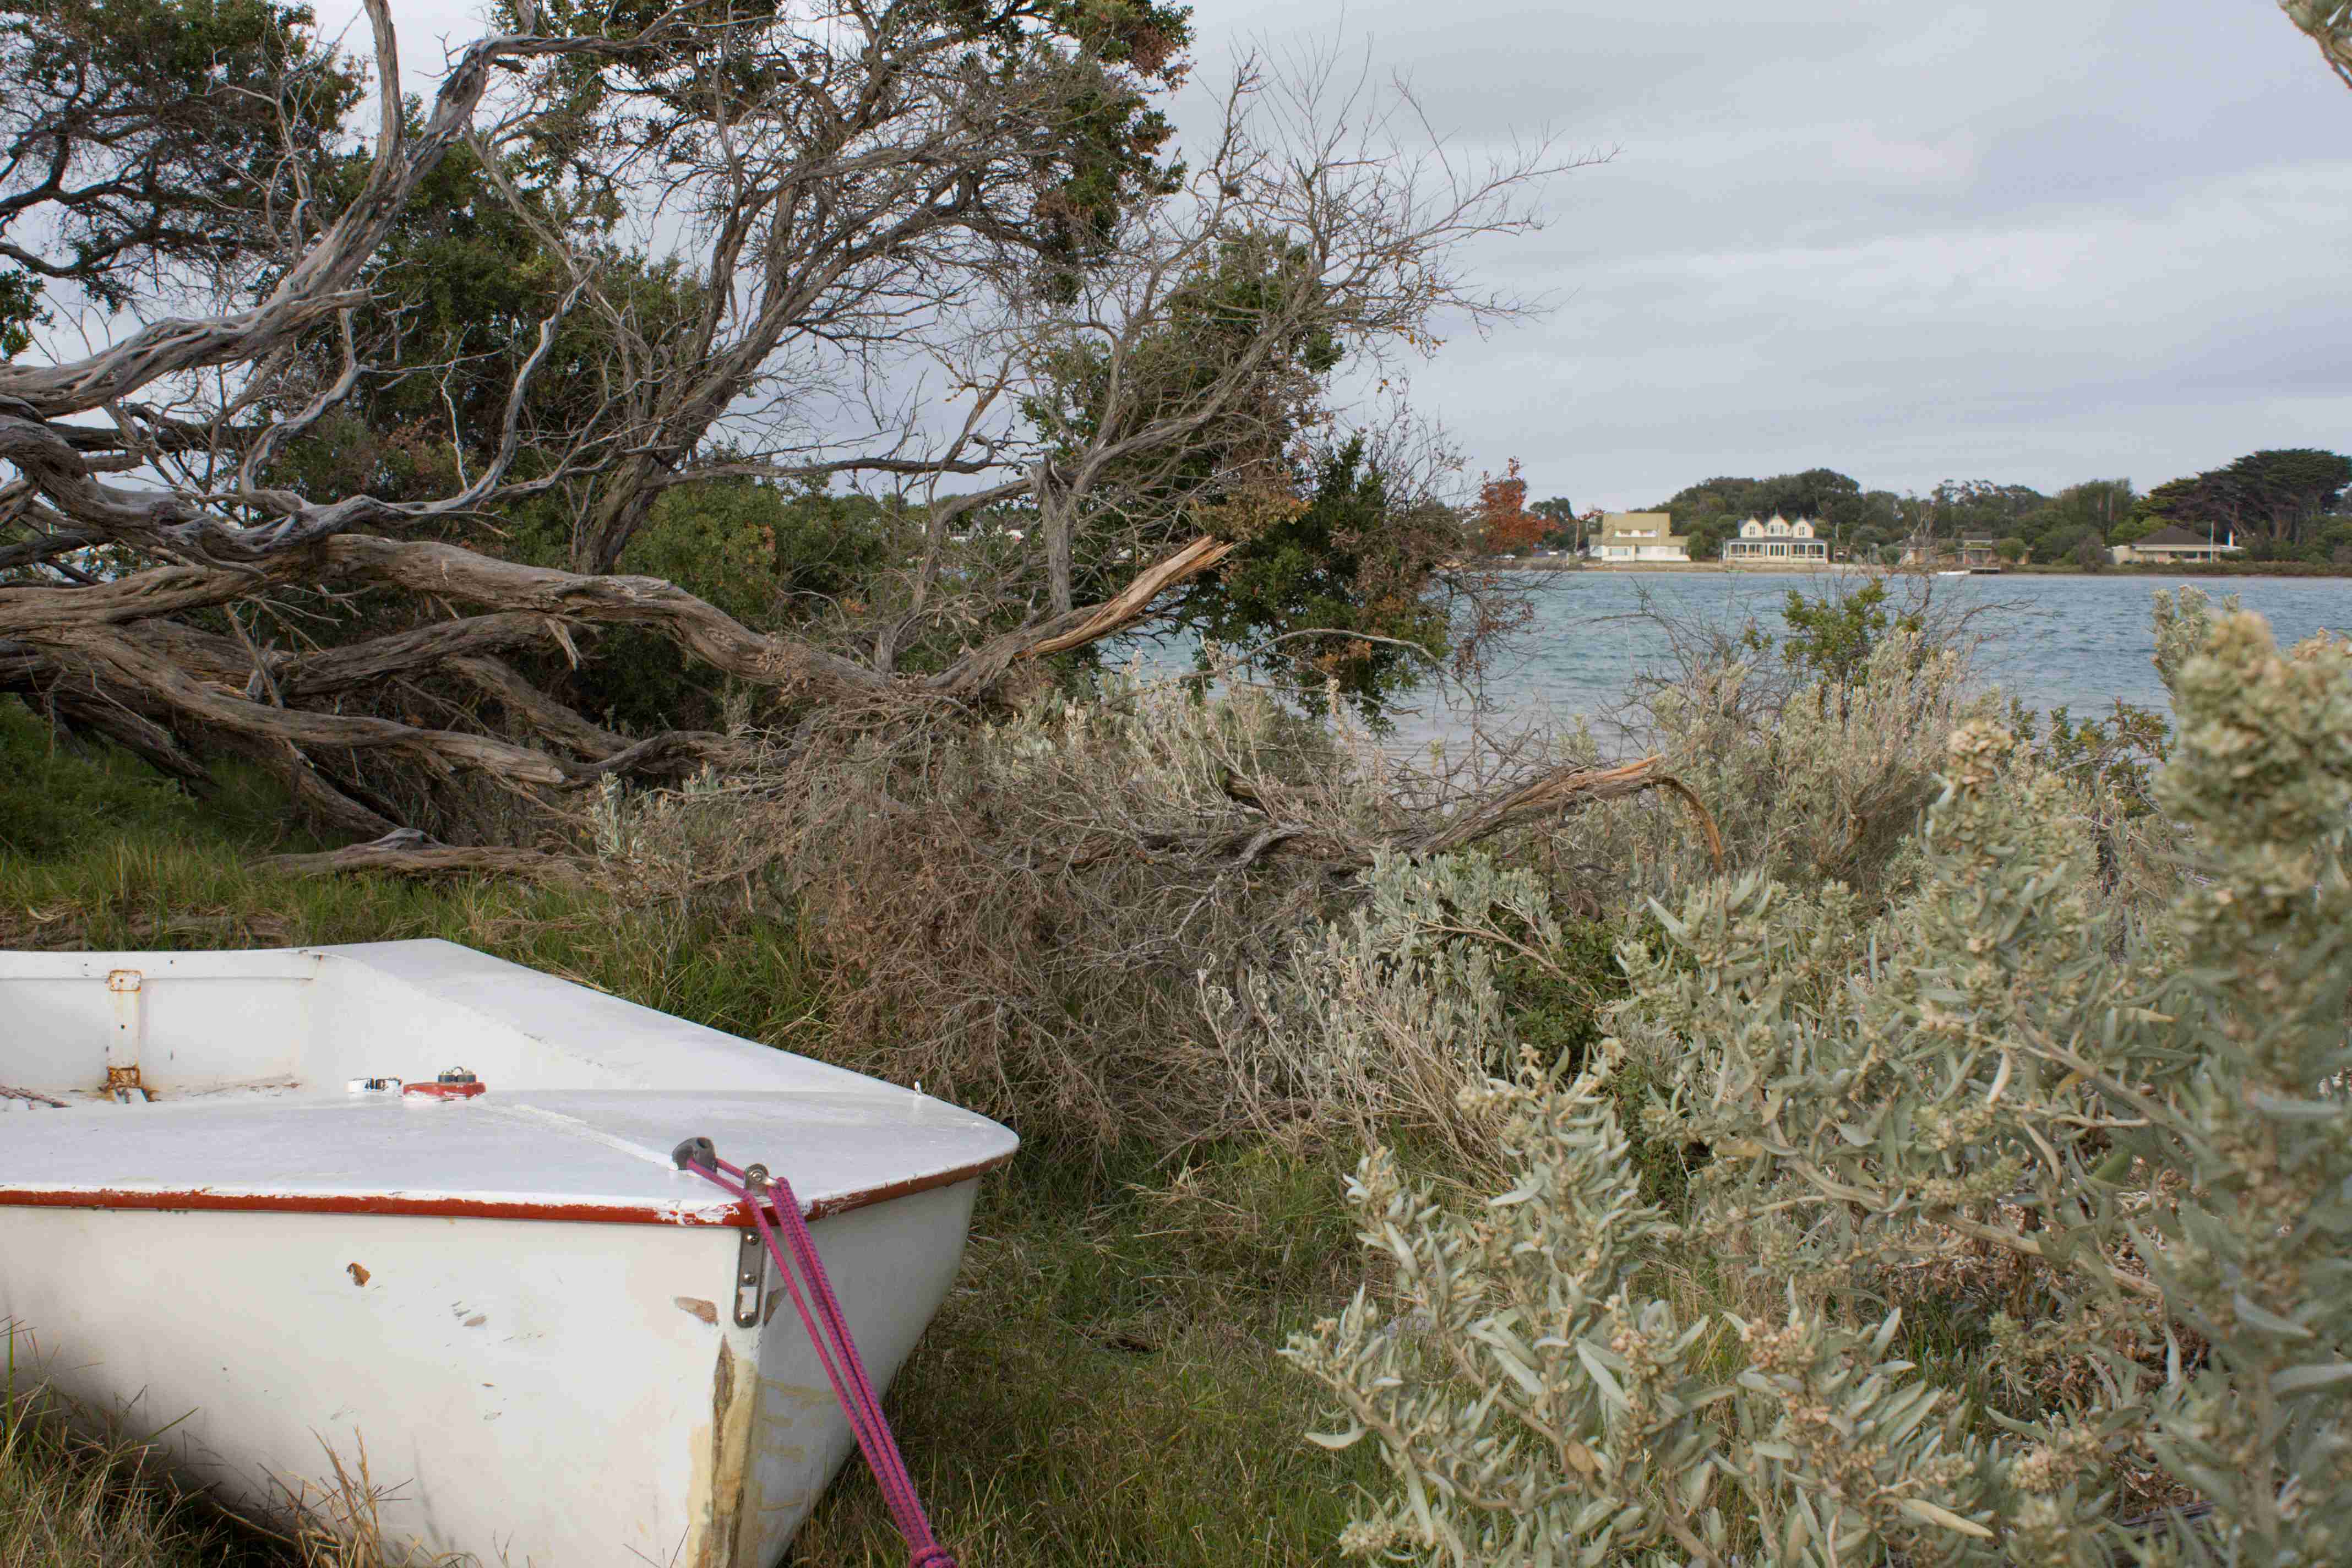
[[736, 1216]]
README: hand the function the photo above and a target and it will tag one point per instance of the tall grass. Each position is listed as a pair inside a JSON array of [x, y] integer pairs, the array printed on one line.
[[71, 1502]]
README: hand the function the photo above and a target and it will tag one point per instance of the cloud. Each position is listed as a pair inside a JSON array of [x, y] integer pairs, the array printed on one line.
[[2013, 240]]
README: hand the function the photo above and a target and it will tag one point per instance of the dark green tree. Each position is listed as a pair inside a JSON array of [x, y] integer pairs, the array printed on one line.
[[1563, 533], [2279, 496], [147, 139], [1335, 591]]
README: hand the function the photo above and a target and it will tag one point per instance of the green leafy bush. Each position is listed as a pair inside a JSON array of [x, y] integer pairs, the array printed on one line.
[[2118, 1162]]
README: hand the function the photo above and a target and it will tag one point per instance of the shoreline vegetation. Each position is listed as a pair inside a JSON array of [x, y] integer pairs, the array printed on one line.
[[2284, 505], [1169, 1285]]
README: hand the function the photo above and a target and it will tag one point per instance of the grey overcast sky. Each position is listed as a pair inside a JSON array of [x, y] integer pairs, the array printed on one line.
[[2029, 240]]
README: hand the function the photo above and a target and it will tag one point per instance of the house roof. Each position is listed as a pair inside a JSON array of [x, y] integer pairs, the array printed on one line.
[[2173, 533]]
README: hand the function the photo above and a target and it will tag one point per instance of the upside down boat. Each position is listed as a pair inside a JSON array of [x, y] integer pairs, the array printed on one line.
[[409, 1196]]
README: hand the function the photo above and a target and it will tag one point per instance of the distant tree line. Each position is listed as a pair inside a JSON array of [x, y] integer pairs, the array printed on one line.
[[2288, 504]]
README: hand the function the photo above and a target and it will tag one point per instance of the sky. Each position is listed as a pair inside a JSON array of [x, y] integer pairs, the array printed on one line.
[[2035, 241]]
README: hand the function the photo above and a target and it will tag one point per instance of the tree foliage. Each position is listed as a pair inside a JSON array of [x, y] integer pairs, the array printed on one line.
[[2328, 24], [2282, 495], [147, 139], [1334, 589], [1506, 524]]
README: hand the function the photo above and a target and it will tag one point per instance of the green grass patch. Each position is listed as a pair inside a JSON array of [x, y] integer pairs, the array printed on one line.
[[69, 1501], [1103, 1387]]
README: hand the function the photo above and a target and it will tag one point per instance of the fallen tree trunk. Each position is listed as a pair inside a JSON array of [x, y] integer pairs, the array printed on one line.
[[1553, 795], [407, 852]]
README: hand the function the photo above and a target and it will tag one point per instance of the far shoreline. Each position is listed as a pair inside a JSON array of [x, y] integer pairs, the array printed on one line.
[[2271, 570]]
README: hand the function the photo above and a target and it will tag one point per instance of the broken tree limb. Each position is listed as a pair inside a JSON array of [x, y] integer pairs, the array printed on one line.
[[980, 669], [334, 669], [1568, 789], [408, 853], [1552, 794], [510, 589], [530, 708]]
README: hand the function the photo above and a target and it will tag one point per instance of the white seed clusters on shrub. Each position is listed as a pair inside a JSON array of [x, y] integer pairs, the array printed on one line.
[[2121, 1148]]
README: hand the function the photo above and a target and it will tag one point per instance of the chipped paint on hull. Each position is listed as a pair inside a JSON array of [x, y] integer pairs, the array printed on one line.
[[723, 1475]]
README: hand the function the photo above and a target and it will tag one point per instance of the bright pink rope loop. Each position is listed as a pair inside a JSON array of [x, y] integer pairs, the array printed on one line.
[[836, 1351]]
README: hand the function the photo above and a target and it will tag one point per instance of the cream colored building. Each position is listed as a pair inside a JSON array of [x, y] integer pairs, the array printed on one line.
[[2173, 542], [1779, 542], [1633, 536]]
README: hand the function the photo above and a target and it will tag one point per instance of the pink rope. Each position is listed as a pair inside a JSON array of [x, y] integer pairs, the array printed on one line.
[[836, 1351]]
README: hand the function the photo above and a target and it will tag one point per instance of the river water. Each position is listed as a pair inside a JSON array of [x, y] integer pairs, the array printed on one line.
[[2079, 642]]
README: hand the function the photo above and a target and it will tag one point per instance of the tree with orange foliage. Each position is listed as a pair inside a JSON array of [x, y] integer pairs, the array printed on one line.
[[1504, 521]]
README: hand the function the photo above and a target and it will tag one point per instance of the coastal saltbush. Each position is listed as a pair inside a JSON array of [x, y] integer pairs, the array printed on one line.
[[2121, 1159], [1377, 1021], [1816, 781]]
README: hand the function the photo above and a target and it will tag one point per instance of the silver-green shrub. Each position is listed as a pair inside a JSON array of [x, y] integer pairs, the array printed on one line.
[[2129, 1162], [1377, 1022], [1821, 779]]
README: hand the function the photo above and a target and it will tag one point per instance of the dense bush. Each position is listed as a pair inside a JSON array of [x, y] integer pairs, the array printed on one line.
[[2113, 1157], [1017, 914], [1824, 779], [1377, 1020]]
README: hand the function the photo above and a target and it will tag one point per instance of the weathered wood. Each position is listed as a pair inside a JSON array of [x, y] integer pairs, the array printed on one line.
[[408, 853], [335, 669]]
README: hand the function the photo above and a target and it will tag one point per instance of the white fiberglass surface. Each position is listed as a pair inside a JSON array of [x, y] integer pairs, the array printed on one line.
[[307, 1020], [245, 1062], [593, 1148]]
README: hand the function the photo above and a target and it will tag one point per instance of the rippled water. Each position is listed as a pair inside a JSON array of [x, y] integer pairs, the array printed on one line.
[[2076, 642]]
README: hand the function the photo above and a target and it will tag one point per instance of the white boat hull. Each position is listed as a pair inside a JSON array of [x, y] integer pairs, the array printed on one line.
[[568, 1373], [527, 1391]]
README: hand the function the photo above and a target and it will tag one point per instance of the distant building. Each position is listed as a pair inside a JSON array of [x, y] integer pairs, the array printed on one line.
[[1779, 541], [2173, 542], [1630, 536]]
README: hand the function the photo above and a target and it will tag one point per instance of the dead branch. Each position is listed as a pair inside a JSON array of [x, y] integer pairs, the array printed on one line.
[[1569, 789], [1552, 795], [334, 669], [407, 852]]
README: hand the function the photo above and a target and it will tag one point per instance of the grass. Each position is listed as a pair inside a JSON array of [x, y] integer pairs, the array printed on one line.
[[65, 1499], [1101, 1387]]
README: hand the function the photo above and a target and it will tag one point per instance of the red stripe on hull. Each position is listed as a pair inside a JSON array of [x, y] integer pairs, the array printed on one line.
[[738, 1216]]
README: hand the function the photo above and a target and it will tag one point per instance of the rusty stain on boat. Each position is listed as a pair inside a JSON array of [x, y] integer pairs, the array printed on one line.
[[696, 1307], [800, 1394], [358, 1271], [727, 1472]]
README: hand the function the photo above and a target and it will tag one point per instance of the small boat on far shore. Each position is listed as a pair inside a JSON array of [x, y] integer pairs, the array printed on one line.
[[408, 1195]]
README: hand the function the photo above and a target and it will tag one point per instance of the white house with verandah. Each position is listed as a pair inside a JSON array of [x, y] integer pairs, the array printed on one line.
[[1634, 536], [1778, 541], [2172, 543]]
